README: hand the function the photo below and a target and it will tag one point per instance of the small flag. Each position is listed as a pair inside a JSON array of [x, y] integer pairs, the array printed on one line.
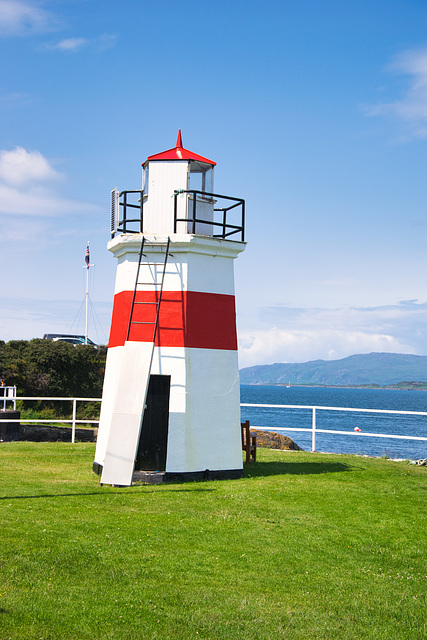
[[87, 259]]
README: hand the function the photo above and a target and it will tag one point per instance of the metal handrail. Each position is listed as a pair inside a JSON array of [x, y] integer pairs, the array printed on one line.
[[124, 205], [227, 228], [315, 430], [131, 224]]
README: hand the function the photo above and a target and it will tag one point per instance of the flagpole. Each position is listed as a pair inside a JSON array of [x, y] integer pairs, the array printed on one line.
[[88, 265], [87, 300]]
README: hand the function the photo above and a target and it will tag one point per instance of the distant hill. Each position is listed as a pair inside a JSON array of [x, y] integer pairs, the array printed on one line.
[[363, 369]]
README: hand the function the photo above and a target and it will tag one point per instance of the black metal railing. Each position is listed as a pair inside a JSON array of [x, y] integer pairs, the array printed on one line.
[[228, 220], [221, 218], [128, 202]]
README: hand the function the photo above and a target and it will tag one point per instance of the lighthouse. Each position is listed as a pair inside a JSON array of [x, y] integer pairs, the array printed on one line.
[[171, 396]]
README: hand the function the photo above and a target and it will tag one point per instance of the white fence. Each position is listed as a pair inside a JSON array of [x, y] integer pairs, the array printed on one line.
[[73, 421], [315, 430], [7, 394], [11, 397]]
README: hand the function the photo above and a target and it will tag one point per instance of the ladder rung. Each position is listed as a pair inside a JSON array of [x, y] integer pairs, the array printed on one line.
[[137, 322], [136, 302]]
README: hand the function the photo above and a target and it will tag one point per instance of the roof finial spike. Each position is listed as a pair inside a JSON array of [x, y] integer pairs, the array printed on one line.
[[179, 139]]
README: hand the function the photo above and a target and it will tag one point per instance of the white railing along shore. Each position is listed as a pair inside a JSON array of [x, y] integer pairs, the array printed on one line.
[[9, 397], [315, 429], [73, 421]]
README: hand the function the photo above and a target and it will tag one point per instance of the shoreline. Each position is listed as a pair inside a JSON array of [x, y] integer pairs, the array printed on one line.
[[414, 386]]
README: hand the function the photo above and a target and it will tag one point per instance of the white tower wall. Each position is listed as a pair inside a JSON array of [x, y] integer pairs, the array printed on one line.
[[196, 345]]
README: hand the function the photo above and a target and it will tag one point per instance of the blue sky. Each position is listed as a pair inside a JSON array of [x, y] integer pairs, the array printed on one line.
[[316, 114]]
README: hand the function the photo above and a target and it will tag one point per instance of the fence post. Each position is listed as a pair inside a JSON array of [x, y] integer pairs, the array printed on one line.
[[73, 425], [313, 433]]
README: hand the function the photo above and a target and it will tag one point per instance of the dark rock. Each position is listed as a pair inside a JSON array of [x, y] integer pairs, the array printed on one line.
[[272, 440]]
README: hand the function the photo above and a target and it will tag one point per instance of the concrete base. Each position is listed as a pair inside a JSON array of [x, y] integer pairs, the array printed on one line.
[[157, 477], [148, 477], [160, 477]]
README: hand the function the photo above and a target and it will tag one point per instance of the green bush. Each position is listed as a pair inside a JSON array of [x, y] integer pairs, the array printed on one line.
[[43, 368]]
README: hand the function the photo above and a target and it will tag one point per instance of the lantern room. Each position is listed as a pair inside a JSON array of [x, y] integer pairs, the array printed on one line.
[[177, 197], [189, 174]]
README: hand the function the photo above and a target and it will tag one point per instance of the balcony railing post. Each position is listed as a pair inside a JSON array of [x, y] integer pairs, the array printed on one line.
[[124, 210], [73, 424], [313, 432], [243, 220], [141, 213], [194, 213]]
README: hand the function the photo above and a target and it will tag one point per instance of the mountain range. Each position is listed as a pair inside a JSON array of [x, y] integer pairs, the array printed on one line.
[[363, 369]]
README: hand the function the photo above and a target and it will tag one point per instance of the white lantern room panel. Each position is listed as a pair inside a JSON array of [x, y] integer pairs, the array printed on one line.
[[204, 212], [165, 177]]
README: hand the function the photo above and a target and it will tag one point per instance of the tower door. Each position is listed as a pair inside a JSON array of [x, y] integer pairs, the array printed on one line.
[[152, 447]]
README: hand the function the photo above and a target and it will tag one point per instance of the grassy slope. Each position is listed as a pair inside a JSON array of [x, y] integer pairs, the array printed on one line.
[[306, 546]]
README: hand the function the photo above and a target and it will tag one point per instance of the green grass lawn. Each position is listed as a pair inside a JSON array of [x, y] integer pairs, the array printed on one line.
[[305, 546]]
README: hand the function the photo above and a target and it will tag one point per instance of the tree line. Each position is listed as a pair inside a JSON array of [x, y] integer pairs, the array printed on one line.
[[41, 367]]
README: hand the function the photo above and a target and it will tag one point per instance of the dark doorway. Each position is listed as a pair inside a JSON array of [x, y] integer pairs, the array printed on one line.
[[151, 454]]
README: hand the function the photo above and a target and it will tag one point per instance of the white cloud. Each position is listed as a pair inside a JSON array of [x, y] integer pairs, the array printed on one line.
[[72, 45], [26, 186], [274, 345], [23, 17], [299, 335], [411, 108], [28, 17], [30, 234], [20, 167], [39, 201]]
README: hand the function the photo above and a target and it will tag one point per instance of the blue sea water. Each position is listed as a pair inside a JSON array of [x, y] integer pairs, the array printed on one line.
[[340, 397]]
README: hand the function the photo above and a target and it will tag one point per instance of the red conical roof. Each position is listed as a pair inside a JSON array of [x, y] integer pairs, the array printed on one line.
[[179, 153]]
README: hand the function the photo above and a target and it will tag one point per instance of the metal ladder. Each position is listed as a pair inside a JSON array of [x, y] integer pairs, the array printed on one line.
[[153, 283]]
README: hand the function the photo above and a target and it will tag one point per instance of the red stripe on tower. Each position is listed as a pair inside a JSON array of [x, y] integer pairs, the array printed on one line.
[[186, 319]]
